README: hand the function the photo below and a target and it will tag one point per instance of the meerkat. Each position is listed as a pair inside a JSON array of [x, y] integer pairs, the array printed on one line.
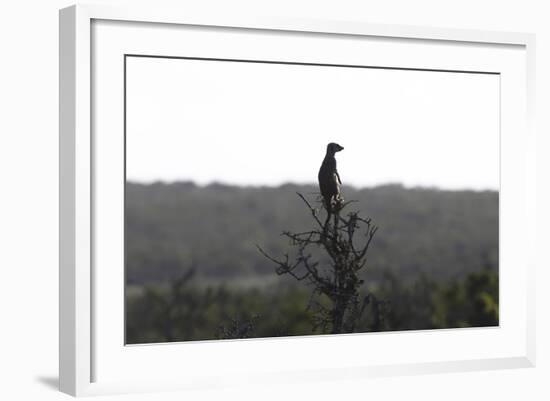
[[329, 179]]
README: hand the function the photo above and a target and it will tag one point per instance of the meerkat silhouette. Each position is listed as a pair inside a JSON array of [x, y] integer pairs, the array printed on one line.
[[329, 179]]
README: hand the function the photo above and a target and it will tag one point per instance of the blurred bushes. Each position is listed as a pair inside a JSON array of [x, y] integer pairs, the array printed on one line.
[[157, 314], [183, 311], [469, 303]]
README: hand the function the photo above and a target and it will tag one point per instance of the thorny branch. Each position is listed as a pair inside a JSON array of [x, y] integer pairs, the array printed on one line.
[[339, 280]]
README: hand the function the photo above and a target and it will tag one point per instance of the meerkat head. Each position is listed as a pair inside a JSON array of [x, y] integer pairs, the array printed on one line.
[[332, 148]]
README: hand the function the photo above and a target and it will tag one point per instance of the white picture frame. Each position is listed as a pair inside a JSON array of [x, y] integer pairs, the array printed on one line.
[[94, 361]]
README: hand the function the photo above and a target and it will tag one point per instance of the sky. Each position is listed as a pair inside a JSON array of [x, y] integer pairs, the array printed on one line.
[[268, 124]]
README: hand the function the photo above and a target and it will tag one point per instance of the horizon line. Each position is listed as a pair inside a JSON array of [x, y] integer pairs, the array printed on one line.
[[314, 184]]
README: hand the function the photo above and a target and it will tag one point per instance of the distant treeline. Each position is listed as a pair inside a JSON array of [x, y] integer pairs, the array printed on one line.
[[170, 228]]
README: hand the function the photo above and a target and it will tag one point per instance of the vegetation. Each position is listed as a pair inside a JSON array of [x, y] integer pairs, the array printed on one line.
[[156, 315], [339, 280], [194, 272], [169, 227]]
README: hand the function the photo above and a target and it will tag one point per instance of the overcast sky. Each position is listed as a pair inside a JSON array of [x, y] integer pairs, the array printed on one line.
[[267, 124]]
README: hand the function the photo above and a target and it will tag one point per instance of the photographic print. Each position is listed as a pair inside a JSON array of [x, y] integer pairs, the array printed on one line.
[[268, 198]]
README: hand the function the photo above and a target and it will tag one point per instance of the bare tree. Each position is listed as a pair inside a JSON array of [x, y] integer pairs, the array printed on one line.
[[345, 239]]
